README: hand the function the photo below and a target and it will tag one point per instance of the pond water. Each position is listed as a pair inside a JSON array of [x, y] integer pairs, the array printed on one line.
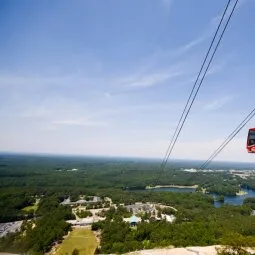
[[234, 200], [174, 189]]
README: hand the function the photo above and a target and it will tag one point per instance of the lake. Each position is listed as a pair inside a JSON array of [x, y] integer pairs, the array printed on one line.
[[234, 200], [174, 189]]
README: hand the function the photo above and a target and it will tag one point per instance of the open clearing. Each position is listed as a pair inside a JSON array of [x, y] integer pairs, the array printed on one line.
[[82, 239], [33, 207], [30, 207]]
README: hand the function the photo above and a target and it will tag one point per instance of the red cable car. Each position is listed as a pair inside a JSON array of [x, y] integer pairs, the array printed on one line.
[[251, 141]]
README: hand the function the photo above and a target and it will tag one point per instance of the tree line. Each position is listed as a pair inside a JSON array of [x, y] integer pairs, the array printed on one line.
[[38, 235], [210, 228]]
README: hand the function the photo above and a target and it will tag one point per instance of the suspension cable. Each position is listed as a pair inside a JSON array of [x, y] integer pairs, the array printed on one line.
[[182, 120], [228, 139]]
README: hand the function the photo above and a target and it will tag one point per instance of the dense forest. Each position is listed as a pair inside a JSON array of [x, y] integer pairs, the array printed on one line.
[[49, 180], [38, 235], [22, 178]]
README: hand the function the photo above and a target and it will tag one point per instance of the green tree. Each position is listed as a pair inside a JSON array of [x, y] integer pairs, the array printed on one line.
[[75, 252], [236, 244]]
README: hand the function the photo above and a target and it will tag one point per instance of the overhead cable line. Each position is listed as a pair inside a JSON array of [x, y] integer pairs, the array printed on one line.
[[193, 88], [228, 139], [191, 99]]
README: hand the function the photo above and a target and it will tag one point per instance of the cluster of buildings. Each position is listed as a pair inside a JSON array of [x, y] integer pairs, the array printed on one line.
[[141, 208], [137, 210], [243, 174], [94, 200], [150, 209], [84, 221]]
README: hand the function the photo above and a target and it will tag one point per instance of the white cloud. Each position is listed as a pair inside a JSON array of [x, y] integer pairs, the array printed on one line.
[[215, 20], [167, 3], [35, 112], [80, 122], [16, 80], [235, 150], [59, 112], [108, 94], [153, 79], [48, 128], [218, 103], [149, 107], [191, 44], [172, 54], [215, 69], [211, 29]]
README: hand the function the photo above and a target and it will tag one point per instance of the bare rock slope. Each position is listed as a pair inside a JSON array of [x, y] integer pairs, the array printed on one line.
[[208, 250]]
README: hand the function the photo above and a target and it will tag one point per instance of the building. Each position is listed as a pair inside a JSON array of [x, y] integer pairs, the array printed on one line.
[[140, 207], [85, 221], [133, 221], [169, 218], [94, 200]]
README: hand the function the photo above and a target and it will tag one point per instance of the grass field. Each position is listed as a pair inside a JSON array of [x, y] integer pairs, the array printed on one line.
[[29, 208], [82, 239]]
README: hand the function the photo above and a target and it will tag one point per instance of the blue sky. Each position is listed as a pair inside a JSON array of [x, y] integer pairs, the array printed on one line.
[[112, 77]]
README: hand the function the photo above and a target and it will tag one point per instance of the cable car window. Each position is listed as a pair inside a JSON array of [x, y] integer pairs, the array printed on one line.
[[251, 142], [251, 135]]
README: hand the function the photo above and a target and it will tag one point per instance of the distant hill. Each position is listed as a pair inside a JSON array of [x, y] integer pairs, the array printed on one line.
[[174, 163]]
